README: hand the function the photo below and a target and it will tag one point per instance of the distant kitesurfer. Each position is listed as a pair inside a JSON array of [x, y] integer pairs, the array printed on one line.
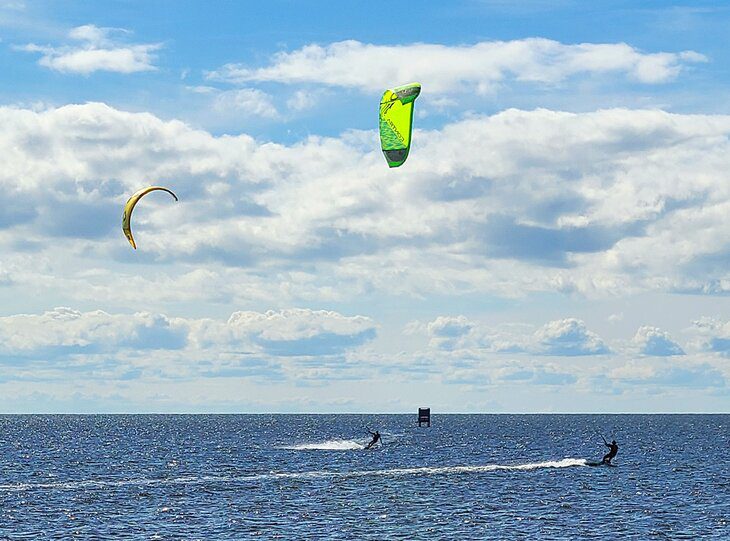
[[613, 451], [376, 439]]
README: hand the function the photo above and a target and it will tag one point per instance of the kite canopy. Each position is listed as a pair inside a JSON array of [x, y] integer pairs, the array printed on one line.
[[396, 122], [129, 207]]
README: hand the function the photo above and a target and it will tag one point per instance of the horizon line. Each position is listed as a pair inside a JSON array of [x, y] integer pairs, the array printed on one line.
[[365, 413]]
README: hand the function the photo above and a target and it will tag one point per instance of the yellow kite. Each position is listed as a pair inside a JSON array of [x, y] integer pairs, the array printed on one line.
[[129, 207]]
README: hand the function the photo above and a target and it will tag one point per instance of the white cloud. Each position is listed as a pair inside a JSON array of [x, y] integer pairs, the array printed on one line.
[[615, 318], [510, 204], [443, 68], [714, 335], [302, 331], [318, 355], [302, 100], [92, 34], [654, 341], [249, 101], [292, 332], [97, 50], [187, 360], [202, 89], [449, 332], [299, 324], [568, 337], [64, 330], [564, 337], [562, 354]]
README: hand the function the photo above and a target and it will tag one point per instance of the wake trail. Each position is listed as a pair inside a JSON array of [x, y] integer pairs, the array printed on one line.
[[330, 445], [392, 472]]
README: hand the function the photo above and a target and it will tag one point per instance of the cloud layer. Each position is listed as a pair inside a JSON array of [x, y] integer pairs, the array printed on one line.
[[509, 204], [564, 337], [442, 68], [296, 348], [551, 256], [564, 354], [63, 330], [293, 332]]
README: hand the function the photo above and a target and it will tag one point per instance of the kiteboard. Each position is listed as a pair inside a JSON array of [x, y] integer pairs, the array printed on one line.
[[601, 464]]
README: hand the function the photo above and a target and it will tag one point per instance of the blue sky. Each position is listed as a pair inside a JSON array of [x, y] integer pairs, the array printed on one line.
[[557, 240]]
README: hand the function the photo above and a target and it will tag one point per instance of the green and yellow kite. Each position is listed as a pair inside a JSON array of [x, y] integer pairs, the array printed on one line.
[[396, 122]]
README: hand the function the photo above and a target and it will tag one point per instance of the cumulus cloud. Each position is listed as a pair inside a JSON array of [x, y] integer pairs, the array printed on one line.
[[302, 100], [248, 101], [508, 204], [568, 337], [285, 350], [448, 332], [565, 337], [620, 373], [303, 331], [452, 333], [654, 341], [96, 49], [474, 367], [293, 332], [63, 331], [714, 335], [102, 352], [444, 68]]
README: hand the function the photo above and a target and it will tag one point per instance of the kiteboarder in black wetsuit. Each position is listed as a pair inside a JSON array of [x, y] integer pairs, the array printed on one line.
[[376, 439], [613, 451]]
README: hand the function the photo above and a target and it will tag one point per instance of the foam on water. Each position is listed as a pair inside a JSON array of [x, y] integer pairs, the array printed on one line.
[[330, 445], [391, 472]]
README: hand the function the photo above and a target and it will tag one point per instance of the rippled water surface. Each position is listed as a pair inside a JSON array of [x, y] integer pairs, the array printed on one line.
[[308, 477]]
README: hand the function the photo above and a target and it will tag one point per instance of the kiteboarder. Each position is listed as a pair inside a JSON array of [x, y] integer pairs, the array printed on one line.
[[376, 439], [613, 450]]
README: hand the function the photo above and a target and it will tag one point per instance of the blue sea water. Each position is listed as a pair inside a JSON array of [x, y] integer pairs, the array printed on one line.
[[307, 477]]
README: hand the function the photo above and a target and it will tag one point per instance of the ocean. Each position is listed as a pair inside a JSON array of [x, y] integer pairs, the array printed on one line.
[[212, 477]]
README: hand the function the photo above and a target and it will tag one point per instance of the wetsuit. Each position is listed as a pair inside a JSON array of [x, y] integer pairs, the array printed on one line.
[[376, 438], [613, 446]]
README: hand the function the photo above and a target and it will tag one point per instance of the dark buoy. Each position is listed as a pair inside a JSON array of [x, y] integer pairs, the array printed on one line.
[[424, 416]]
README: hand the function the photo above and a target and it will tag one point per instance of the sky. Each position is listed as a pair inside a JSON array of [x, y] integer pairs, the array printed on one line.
[[557, 240]]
